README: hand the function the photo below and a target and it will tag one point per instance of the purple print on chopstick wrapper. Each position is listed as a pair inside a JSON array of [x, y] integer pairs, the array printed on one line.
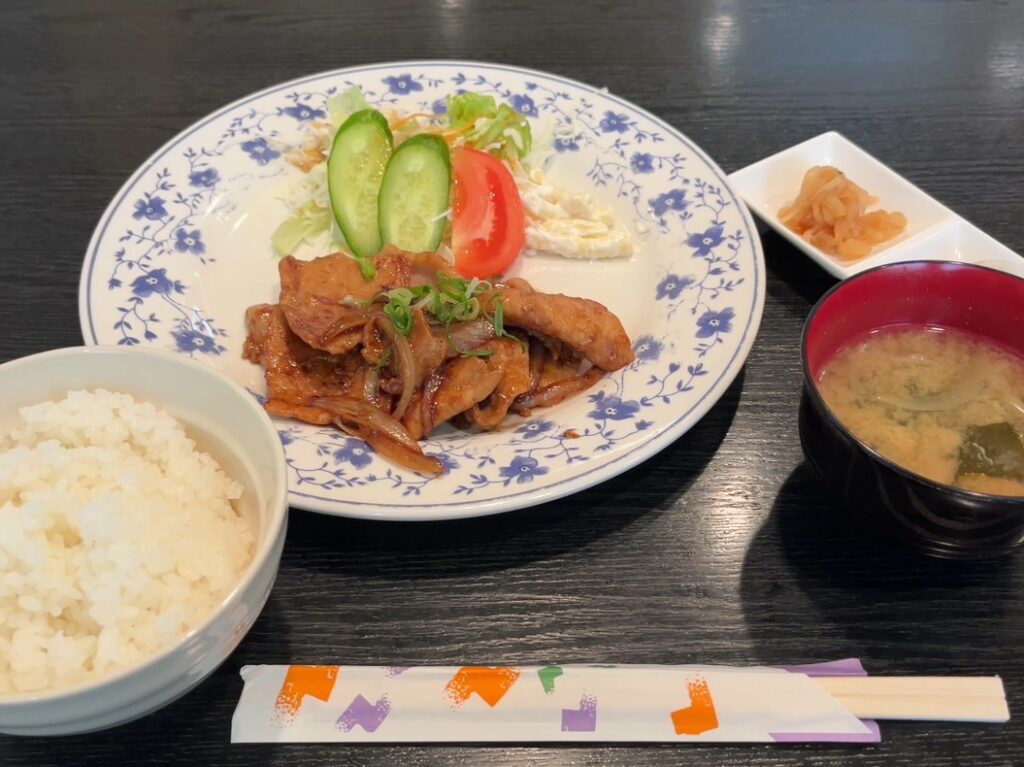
[[582, 719], [362, 713]]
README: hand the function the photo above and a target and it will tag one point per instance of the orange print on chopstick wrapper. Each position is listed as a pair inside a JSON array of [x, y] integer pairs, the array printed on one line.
[[300, 681], [490, 683], [700, 716]]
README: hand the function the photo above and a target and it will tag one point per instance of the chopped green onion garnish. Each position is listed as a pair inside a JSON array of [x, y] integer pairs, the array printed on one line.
[[476, 352], [499, 324], [469, 352], [398, 309], [453, 300]]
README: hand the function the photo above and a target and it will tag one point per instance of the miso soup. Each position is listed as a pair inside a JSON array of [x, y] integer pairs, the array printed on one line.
[[944, 405]]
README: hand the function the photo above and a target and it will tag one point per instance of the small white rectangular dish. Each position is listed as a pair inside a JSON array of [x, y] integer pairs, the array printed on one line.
[[933, 233]]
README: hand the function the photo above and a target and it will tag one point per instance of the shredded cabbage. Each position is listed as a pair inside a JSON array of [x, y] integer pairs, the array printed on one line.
[[307, 221], [342, 105], [492, 124], [543, 148]]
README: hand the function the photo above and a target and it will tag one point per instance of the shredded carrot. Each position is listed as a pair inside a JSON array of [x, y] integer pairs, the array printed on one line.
[[306, 158]]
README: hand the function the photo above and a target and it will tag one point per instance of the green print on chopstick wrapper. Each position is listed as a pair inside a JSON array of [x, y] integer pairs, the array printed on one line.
[[548, 675]]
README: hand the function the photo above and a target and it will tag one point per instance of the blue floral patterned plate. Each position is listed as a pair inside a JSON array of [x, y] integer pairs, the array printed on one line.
[[184, 248]]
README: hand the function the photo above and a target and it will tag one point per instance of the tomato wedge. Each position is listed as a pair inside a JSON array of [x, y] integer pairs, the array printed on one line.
[[488, 222]]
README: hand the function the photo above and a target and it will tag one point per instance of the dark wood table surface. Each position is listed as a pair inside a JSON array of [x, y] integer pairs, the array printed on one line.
[[724, 548]]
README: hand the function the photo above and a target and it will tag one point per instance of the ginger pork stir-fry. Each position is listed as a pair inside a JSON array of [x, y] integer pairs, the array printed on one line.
[[391, 349]]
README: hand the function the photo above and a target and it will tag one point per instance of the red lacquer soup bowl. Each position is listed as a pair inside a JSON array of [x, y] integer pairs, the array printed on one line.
[[935, 518]]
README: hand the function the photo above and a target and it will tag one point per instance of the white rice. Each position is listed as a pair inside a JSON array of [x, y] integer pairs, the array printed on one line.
[[117, 537]]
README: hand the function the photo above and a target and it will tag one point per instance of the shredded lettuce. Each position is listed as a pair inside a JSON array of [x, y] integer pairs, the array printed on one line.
[[307, 221], [495, 127], [467, 107], [345, 104]]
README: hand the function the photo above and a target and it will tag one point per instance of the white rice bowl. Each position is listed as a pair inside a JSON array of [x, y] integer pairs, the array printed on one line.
[[117, 538]]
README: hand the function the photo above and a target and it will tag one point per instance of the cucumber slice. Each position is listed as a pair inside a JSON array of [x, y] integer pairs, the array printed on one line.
[[355, 168], [415, 193]]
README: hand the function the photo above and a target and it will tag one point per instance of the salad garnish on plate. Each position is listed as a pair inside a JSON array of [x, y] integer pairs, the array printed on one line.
[[373, 178], [410, 324]]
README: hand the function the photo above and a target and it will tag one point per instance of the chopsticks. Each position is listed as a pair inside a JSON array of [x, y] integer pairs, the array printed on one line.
[[936, 698]]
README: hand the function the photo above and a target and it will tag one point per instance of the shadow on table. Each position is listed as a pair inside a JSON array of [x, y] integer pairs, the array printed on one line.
[[460, 547], [818, 580], [797, 272]]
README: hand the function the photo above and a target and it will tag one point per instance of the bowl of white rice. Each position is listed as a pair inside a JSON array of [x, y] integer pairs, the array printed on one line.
[[143, 508]]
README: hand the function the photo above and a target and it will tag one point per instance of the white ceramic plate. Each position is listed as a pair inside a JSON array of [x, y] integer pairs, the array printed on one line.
[[933, 233], [184, 248]]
